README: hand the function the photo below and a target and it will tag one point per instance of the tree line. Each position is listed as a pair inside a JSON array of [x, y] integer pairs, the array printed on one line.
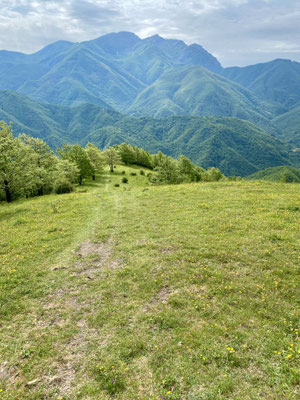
[[28, 166]]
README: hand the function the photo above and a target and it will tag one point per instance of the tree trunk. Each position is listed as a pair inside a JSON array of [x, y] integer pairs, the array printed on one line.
[[111, 168], [7, 192], [94, 177], [40, 191], [80, 180]]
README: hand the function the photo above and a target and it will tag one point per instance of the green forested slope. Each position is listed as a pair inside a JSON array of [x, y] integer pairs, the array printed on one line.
[[277, 80], [110, 70], [284, 173], [196, 91], [236, 147], [289, 124]]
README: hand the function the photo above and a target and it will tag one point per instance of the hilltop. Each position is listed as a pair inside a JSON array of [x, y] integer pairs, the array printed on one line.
[[140, 291]]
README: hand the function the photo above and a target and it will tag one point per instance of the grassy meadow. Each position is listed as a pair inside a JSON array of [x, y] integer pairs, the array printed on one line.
[[140, 292]]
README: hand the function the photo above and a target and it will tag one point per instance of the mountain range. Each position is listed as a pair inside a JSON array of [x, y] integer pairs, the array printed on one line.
[[235, 146], [120, 87]]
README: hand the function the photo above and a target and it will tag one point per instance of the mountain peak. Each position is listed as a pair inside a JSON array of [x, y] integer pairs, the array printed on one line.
[[154, 38], [117, 42]]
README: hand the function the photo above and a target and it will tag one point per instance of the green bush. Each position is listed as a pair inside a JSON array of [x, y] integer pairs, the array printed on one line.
[[124, 180], [62, 185], [142, 172]]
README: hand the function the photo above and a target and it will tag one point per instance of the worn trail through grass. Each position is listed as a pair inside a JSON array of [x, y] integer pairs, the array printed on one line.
[[185, 292]]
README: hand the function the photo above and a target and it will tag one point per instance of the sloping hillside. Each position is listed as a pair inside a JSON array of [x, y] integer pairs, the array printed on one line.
[[237, 147], [110, 70], [284, 173], [277, 80], [289, 125], [148, 292], [197, 91]]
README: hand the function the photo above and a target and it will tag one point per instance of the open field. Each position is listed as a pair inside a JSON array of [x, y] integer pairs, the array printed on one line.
[[143, 292]]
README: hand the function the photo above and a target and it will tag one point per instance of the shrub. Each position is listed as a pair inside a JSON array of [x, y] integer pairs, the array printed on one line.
[[142, 172], [117, 185], [133, 174], [124, 180], [62, 185], [123, 172]]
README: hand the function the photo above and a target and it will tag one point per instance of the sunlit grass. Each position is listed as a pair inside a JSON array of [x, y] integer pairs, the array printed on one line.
[[201, 303]]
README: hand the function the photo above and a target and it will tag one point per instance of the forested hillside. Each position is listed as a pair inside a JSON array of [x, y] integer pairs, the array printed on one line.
[[236, 147]]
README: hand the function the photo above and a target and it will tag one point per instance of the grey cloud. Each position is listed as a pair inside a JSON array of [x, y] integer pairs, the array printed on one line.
[[238, 32], [88, 11]]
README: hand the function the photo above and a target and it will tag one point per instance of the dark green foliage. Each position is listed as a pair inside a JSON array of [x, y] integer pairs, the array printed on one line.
[[277, 80], [213, 174], [45, 164], [96, 158], [235, 147], [200, 92], [284, 173], [168, 171], [142, 172], [127, 154], [62, 185], [29, 168], [124, 180], [112, 157], [18, 171], [289, 125], [79, 157]]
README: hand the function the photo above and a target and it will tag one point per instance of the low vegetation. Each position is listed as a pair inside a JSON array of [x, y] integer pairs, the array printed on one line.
[[141, 291]]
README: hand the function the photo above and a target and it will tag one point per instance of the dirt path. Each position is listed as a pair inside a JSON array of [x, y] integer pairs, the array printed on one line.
[[62, 318]]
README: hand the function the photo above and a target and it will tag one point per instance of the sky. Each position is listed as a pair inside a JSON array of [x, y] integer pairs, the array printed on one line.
[[237, 32]]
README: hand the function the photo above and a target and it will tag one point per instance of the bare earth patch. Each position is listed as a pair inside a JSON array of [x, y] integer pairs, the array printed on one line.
[[61, 307]]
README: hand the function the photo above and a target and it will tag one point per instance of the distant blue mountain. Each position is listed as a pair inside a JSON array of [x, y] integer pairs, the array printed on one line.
[[157, 77], [109, 71]]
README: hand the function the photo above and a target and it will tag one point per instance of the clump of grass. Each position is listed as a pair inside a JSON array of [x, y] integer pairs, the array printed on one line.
[[109, 378]]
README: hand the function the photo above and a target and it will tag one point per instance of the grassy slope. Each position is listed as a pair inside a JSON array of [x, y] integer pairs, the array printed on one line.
[[181, 292]]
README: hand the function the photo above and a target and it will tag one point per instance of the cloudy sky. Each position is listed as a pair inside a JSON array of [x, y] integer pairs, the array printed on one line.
[[237, 32]]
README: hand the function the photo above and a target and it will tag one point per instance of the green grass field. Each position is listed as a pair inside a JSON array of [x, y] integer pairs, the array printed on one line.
[[143, 292]]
